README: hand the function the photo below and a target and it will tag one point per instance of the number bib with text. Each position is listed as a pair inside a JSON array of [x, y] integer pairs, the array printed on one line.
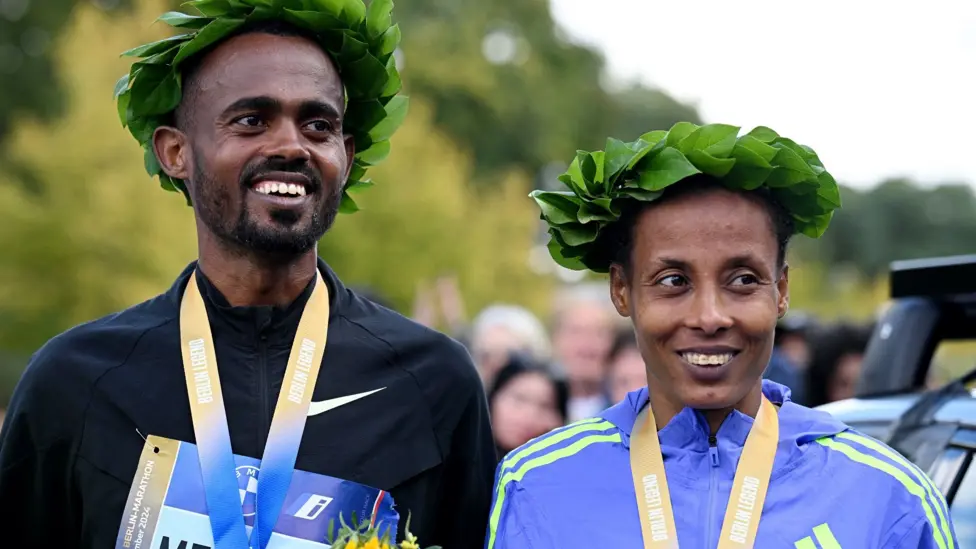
[[167, 507]]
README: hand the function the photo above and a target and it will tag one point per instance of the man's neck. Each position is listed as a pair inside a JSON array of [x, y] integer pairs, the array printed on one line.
[[247, 280]]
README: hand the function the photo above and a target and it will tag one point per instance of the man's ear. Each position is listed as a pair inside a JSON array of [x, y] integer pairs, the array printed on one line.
[[783, 290], [350, 143], [620, 290], [172, 152]]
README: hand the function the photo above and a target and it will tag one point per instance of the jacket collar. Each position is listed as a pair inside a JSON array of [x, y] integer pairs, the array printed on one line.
[[689, 428], [277, 323]]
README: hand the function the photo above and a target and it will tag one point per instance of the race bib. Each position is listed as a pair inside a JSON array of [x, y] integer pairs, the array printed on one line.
[[167, 506]]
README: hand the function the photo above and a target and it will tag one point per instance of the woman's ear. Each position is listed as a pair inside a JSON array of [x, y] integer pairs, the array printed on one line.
[[783, 292], [620, 290], [171, 150]]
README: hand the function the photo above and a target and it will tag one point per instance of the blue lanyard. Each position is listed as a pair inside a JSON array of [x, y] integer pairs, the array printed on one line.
[[210, 419]]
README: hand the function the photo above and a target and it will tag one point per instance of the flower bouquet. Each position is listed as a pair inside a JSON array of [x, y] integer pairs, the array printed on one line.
[[365, 535]]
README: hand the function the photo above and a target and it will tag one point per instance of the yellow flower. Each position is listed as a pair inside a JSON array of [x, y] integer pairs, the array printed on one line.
[[373, 543], [411, 541], [351, 544], [385, 545]]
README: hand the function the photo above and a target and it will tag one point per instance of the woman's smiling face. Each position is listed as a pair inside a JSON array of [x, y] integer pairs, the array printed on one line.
[[705, 287]]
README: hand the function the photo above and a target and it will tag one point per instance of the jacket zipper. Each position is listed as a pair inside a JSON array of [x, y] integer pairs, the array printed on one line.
[[264, 390], [712, 489]]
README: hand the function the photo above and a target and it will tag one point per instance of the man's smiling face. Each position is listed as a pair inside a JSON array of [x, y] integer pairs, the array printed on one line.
[[261, 143]]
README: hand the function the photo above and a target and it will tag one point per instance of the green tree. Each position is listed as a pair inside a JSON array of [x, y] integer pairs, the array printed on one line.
[[95, 234], [500, 78], [505, 84], [423, 220], [898, 220], [30, 31]]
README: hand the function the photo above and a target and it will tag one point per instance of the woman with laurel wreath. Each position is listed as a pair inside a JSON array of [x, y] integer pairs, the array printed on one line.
[[692, 225]]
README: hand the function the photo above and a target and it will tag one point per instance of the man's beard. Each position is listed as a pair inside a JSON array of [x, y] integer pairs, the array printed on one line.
[[281, 240]]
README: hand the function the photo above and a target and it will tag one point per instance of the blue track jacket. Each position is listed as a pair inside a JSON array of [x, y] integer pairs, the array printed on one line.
[[831, 487]]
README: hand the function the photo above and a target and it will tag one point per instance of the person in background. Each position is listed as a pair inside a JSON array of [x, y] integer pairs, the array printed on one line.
[[582, 335], [835, 364], [782, 371], [525, 401], [793, 339], [500, 330], [439, 305], [626, 371], [791, 355]]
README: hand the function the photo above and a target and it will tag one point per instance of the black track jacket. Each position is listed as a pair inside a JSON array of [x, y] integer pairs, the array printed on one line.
[[69, 447]]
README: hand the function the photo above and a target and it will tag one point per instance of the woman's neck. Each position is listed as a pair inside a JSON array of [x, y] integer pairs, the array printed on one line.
[[666, 406]]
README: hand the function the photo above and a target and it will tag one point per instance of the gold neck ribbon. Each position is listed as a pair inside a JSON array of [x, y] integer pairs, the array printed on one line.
[[748, 489]]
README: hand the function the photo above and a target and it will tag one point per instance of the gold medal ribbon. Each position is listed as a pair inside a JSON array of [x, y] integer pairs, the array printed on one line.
[[748, 489]]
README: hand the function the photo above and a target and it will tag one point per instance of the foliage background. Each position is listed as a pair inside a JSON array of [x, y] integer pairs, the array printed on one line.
[[499, 102]]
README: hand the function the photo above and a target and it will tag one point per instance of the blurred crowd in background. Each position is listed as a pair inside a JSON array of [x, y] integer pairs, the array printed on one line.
[[542, 373]]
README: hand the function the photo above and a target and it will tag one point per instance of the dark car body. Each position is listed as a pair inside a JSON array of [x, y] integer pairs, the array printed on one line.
[[934, 302]]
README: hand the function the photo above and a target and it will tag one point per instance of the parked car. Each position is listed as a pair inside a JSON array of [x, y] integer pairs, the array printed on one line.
[[934, 301]]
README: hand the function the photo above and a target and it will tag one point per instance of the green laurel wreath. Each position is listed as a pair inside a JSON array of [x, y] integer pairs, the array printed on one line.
[[601, 183], [360, 40]]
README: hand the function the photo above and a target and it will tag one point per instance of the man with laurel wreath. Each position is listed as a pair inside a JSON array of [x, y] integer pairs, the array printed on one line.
[[692, 224], [258, 401]]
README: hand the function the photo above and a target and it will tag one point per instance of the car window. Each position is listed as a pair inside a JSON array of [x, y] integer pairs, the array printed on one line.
[[951, 359], [964, 509], [945, 470]]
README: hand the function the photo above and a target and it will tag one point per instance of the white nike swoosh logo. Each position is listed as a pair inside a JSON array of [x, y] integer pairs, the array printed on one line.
[[316, 408]]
